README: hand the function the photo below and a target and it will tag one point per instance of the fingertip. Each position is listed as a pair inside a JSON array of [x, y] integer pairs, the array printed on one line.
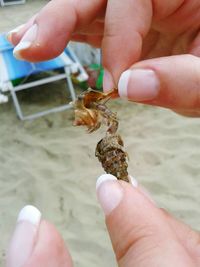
[[30, 214], [108, 82], [24, 236], [123, 84], [11, 34], [32, 46], [36, 42], [14, 36], [109, 192], [104, 178], [139, 85], [50, 249]]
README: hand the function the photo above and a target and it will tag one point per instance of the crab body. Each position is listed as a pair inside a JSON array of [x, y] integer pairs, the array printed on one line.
[[91, 110]]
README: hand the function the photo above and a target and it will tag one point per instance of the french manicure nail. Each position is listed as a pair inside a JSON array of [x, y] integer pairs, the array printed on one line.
[[109, 192], [138, 85], [30, 214], [133, 181], [16, 30], [108, 82], [24, 237], [26, 41]]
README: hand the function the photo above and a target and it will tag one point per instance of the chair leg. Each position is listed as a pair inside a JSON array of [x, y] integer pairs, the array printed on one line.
[[39, 114], [70, 85], [16, 104]]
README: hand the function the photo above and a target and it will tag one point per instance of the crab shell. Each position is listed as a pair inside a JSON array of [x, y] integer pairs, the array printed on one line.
[[87, 117], [85, 110]]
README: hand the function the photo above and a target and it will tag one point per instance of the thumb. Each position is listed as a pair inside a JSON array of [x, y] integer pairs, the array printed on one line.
[[46, 35], [171, 82], [140, 234], [123, 36], [36, 242]]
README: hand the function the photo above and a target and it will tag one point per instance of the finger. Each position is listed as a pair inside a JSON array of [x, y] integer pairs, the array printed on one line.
[[36, 243], [16, 34], [95, 28], [186, 235], [188, 112], [24, 236], [94, 40], [171, 82], [194, 48], [139, 233], [49, 249], [126, 23], [63, 17]]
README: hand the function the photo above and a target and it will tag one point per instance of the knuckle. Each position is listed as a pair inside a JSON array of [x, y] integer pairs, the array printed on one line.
[[133, 238]]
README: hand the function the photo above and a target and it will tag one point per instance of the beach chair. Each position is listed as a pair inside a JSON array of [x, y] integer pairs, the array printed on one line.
[[10, 2], [12, 69]]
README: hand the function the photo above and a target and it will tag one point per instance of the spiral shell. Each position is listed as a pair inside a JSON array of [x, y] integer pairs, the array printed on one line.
[[111, 154]]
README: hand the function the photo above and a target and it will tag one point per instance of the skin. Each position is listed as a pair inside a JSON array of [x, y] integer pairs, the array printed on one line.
[[163, 36], [141, 233], [158, 35]]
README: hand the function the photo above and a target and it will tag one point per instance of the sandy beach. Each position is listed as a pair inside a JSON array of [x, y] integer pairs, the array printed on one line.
[[51, 164]]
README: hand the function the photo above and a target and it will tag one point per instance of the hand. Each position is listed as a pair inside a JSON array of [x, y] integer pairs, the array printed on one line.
[[141, 233], [36, 242], [162, 32]]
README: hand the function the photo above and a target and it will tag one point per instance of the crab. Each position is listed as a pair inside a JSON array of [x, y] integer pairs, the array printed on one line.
[[91, 110]]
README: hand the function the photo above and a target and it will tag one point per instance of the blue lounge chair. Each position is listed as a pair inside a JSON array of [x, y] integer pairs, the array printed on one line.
[[12, 69], [10, 2]]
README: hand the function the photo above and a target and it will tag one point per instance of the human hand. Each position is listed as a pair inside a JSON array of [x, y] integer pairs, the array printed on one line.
[[141, 233], [162, 32], [36, 242]]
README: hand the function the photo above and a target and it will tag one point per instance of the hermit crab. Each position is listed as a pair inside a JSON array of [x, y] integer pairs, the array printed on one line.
[[91, 111]]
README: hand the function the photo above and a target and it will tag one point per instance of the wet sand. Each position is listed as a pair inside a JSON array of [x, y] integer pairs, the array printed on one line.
[[51, 164]]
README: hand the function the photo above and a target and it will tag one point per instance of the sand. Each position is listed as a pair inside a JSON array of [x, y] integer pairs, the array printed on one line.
[[49, 163]]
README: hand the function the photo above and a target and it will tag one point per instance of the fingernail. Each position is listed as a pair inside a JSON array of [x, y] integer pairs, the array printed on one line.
[[26, 41], [138, 85], [109, 192], [133, 181], [108, 82], [16, 30], [24, 236]]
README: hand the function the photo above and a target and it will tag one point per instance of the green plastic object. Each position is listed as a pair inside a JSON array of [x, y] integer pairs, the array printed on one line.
[[99, 82]]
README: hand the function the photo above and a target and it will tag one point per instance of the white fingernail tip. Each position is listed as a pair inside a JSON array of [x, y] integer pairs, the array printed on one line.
[[123, 84], [21, 46], [31, 34], [133, 181], [109, 177], [26, 41], [16, 30], [104, 178], [30, 214]]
